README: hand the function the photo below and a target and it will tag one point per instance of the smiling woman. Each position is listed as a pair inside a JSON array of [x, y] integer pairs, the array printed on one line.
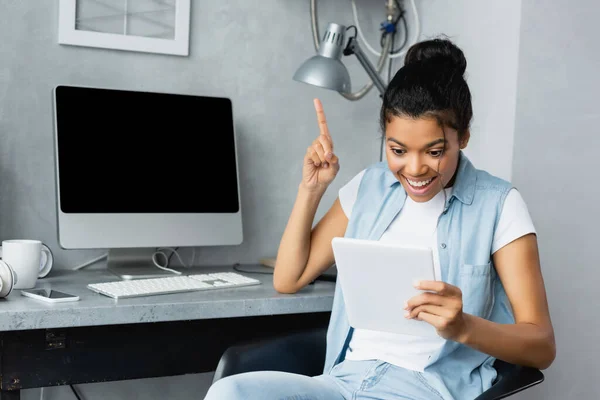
[[415, 147], [488, 301], [426, 113]]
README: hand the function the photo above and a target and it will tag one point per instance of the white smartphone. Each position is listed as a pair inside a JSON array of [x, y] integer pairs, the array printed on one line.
[[49, 295]]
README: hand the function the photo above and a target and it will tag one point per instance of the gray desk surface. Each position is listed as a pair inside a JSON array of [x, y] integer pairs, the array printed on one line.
[[18, 312]]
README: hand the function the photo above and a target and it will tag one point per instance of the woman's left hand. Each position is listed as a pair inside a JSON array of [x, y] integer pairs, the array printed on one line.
[[443, 308]]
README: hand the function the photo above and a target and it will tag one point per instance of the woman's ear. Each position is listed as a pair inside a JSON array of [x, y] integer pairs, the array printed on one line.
[[465, 139]]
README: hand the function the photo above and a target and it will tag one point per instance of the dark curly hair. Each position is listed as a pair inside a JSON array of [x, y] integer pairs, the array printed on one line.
[[430, 84]]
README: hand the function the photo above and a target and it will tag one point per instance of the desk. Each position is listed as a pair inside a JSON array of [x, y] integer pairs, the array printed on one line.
[[99, 339]]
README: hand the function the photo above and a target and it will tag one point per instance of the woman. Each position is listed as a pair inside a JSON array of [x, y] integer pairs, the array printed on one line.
[[489, 300]]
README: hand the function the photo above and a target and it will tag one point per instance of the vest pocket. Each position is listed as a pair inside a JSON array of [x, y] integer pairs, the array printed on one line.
[[476, 284]]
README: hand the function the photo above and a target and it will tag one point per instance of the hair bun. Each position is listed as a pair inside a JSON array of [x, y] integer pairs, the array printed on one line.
[[441, 51]]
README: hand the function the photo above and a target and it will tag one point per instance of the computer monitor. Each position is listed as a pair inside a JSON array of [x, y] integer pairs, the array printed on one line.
[[138, 170]]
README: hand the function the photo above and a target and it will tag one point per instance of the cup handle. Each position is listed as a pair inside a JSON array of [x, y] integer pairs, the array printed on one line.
[[47, 260]]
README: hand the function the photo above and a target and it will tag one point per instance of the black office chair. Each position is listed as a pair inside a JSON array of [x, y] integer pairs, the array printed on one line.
[[304, 353]]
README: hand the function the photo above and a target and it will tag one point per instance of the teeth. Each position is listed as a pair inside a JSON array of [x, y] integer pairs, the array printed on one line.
[[419, 184]]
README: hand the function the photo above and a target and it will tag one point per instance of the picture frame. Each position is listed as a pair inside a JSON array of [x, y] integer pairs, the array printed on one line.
[[163, 27]]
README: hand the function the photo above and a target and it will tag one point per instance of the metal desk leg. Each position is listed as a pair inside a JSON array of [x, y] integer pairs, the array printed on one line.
[[10, 394]]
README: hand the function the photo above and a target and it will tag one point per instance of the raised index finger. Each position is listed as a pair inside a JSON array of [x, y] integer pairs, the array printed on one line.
[[321, 118]]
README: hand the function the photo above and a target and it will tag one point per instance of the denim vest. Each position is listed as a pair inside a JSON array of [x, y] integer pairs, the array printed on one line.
[[465, 234]]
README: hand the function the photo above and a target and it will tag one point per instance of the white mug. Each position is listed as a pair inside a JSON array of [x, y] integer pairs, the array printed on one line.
[[24, 257]]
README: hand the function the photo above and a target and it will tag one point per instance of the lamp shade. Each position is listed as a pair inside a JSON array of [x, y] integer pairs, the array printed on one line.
[[325, 69]]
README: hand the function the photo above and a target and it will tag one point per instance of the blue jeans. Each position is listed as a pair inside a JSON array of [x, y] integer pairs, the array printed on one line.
[[349, 380]]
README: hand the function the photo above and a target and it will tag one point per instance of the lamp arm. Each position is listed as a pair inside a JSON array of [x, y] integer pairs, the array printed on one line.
[[354, 48]]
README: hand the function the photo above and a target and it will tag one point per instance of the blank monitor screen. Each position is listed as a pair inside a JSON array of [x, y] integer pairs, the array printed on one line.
[[145, 169], [139, 152]]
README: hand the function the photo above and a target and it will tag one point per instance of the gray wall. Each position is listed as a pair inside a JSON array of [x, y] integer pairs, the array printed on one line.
[[237, 49], [248, 53], [555, 167]]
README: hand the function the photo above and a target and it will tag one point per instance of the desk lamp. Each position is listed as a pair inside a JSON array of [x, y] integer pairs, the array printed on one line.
[[326, 69]]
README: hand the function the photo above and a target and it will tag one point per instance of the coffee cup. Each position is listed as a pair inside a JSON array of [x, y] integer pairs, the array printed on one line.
[[25, 258]]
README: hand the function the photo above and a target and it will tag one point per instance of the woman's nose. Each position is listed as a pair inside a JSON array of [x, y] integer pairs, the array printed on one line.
[[415, 167]]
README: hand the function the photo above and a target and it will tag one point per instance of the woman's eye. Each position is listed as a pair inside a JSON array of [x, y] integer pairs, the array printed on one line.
[[398, 152], [436, 153]]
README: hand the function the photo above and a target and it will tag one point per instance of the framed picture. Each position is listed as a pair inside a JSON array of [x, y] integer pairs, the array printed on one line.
[[150, 26]]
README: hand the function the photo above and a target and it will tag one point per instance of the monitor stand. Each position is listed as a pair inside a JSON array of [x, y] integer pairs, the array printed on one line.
[[134, 263]]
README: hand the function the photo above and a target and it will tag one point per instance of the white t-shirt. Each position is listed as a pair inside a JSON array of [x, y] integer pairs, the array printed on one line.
[[416, 224]]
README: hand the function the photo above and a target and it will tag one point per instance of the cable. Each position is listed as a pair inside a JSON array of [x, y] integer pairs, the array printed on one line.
[[352, 27], [182, 264], [237, 268], [159, 251], [171, 256], [390, 64], [90, 262], [371, 49], [403, 45], [401, 19], [75, 392]]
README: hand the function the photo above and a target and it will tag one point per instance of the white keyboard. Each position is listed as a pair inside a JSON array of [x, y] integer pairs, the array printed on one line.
[[172, 284]]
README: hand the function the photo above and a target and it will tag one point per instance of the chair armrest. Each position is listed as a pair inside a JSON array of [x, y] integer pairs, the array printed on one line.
[[299, 352], [511, 379]]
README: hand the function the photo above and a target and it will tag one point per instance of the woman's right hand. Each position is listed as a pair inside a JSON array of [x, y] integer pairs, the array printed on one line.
[[320, 165]]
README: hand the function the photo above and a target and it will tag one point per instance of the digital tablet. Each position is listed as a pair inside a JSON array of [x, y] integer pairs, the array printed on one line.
[[377, 278]]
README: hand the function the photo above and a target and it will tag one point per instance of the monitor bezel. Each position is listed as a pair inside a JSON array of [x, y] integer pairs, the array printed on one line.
[[145, 230]]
